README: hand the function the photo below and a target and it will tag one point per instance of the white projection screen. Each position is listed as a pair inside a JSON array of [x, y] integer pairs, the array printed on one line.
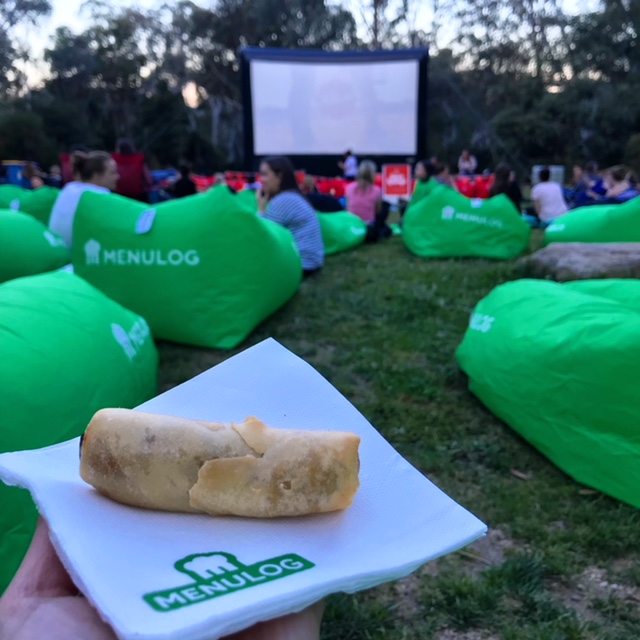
[[312, 104]]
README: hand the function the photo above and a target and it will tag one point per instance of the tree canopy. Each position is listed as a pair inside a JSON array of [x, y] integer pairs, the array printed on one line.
[[517, 80]]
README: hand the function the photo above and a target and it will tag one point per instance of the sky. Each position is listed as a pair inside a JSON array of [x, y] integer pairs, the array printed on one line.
[[69, 13]]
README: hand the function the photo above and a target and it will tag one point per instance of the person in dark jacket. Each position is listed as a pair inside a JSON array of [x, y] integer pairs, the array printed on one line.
[[319, 201], [184, 185]]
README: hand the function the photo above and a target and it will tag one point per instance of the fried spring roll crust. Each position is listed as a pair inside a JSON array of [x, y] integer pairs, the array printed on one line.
[[246, 469]]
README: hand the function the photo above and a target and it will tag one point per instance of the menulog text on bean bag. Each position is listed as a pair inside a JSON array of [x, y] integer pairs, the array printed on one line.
[[446, 224], [203, 270]]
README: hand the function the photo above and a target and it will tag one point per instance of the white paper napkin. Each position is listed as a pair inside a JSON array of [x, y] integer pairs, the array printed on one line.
[[162, 576]]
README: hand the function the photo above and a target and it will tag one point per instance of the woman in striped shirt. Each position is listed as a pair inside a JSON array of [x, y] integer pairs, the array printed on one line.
[[280, 200]]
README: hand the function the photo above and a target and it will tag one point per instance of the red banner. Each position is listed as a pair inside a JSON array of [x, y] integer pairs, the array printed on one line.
[[396, 180]]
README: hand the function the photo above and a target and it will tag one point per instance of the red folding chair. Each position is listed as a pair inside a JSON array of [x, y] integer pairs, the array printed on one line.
[[482, 188], [323, 185], [203, 183], [337, 187], [465, 187]]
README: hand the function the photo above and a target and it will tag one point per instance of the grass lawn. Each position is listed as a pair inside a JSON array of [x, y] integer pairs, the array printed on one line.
[[560, 563]]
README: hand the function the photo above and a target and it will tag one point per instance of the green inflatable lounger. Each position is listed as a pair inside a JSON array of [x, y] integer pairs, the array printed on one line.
[[27, 247], [248, 198], [422, 189], [560, 364], [66, 350], [341, 231], [37, 202], [597, 223], [446, 224], [203, 270]]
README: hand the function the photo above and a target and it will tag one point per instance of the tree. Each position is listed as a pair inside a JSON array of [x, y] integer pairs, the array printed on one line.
[[22, 136], [605, 42], [13, 13], [524, 37], [102, 70]]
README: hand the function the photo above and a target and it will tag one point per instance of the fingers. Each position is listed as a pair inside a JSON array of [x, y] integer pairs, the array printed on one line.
[[41, 573], [304, 625], [65, 618]]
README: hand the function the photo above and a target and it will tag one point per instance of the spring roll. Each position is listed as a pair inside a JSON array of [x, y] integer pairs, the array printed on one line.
[[244, 469]]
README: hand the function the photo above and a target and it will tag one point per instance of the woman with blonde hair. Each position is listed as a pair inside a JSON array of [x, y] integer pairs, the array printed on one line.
[[364, 198]]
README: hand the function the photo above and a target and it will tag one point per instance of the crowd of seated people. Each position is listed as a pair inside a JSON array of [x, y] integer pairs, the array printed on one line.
[[549, 199], [615, 185]]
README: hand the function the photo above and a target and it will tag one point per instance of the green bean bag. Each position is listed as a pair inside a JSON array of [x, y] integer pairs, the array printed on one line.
[[66, 350], [422, 189], [624, 291], [560, 364], [248, 197], [202, 270], [37, 203], [446, 224], [341, 231], [27, 247], [597, 223]]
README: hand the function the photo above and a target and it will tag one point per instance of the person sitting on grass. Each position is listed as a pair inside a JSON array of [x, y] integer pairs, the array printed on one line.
[[424, 170], [54, 179], [548, 198], [443, 176], [423, 173], [31, 177], [220, 179], [619, 187], [322, 202], [505, 181], [280, 200], [588, 186], [184, 186], [467, 164], [364, 198], [95, 171]]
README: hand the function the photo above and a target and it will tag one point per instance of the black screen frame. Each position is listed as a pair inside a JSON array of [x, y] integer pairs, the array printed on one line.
[[326, 164]]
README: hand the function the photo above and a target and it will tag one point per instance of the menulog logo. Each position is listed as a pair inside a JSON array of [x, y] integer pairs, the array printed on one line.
[[133, 340], [481, 322], [396, 180], [217, 574], [450, 213], [95, 254]]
